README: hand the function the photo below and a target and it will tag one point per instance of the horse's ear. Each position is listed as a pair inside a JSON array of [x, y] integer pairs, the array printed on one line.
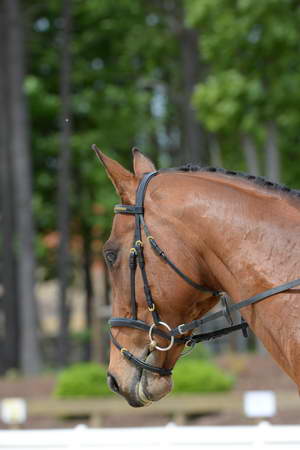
[[123, 180], [141, 164]]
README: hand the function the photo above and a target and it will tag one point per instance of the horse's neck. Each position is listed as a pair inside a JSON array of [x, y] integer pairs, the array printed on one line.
[[252, 244], [249, 237]]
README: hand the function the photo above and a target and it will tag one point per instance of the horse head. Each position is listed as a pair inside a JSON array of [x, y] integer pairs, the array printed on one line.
[[149, 299]]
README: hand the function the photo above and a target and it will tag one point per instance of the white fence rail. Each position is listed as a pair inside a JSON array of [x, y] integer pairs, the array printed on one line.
[[262, 436]]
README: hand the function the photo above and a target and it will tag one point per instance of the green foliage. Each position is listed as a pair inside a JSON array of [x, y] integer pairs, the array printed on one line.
[[121, 52], [82, 380], [196, 376], [125, 57], [190, 376], [251, 49]]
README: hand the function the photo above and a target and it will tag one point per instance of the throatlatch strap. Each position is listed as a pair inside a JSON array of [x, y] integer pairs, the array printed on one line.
[[163, 255]]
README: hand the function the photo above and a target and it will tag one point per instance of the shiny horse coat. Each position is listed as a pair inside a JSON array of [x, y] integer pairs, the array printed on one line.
[[226, 233]]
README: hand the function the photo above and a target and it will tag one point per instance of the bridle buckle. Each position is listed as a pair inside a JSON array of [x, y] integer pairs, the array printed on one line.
[[179, 328]]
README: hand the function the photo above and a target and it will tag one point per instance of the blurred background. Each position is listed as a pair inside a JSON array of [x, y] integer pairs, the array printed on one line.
[[216, 82]]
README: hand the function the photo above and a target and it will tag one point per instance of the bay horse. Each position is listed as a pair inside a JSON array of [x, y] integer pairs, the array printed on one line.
[[197, 236]]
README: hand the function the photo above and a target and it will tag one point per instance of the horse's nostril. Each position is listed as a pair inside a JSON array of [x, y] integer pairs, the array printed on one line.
[[112, 383]]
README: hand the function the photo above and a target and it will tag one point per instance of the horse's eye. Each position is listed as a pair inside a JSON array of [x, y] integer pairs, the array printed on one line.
[[110, 257]]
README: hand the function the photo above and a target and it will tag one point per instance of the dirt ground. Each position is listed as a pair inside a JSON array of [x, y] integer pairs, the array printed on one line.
[[255, 372]]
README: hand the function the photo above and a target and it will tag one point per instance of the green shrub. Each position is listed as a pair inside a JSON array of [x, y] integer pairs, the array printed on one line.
[[82, 380], [192, 376]]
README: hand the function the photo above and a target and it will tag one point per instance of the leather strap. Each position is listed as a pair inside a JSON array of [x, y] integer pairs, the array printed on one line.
[[140, 325], [141, 190], [235, 307], [138, 362], [132, 268], [163, 255], [202, 337]]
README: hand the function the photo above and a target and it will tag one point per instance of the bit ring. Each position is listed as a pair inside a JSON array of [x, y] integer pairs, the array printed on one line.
[[162, 349]]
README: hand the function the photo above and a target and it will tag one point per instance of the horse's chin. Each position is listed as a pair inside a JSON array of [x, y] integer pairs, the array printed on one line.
[[144, 401], [151, 386], [138, 386]]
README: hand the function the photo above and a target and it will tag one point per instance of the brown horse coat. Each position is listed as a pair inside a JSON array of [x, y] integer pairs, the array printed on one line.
[[226, 232]]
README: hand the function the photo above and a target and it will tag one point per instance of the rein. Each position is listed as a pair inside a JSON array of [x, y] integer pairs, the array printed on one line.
[[173, 335]]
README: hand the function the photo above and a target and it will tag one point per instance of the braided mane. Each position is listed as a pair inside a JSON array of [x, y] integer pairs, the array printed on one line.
[[260, 181]]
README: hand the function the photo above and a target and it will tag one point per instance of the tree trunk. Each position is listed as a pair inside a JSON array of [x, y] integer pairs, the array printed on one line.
[[272, 153], [193, 146], [64, 182], [193, 136], [250, 153], [87, 262], [10, 307], [22, 186]]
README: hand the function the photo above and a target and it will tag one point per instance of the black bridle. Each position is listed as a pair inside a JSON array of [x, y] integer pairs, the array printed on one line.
[[136, 258]]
